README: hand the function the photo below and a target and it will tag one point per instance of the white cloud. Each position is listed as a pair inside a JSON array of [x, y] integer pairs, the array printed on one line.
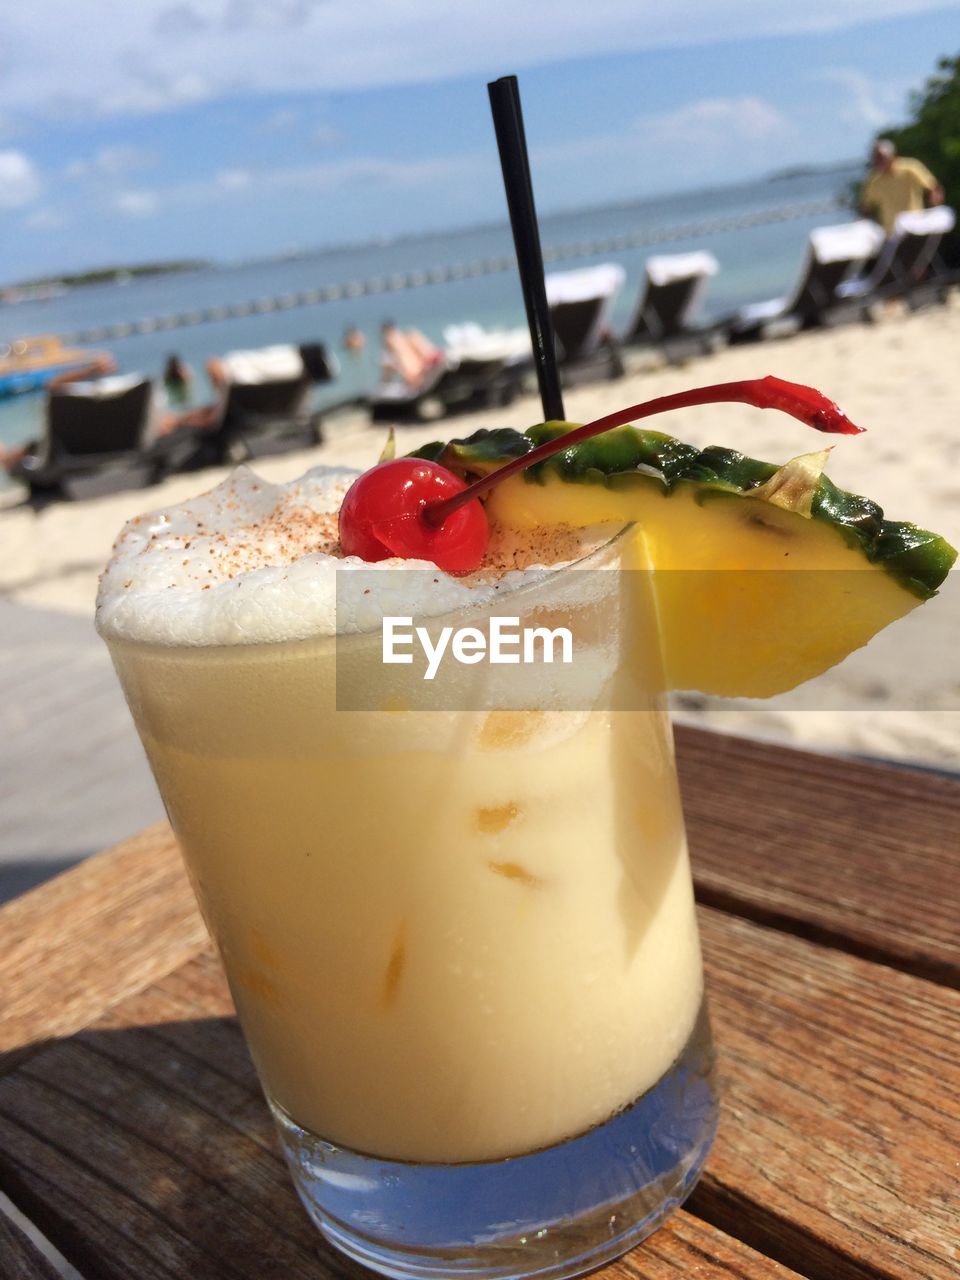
[[234, 179], [325, 135], [148, 91], [286, 120], [19, 180], [158, 54], [713, 123], [462, 173], [281, 120], [704, 141], [179, 22], [109, 162], [136, 204], [377, 172], [186, 19], [45, 219], [120, 159], [373, 171], [868, 102]]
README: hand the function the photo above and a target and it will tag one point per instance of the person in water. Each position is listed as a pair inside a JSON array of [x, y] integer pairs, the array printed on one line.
[[354, 340], [895, 185], [177, 380]]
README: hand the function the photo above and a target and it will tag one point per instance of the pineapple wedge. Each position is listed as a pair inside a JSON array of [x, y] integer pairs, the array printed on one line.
[[764, 576]]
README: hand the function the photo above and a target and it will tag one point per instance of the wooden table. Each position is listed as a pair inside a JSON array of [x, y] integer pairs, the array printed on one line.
[[132, 1132]]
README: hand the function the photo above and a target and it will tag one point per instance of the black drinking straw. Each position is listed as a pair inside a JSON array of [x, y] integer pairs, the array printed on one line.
[[512, 145]]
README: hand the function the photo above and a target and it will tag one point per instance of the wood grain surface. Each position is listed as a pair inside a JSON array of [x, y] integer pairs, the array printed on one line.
[[841, 1107], [144, 1147], [19, 1259], [688, 1246], [86, 939], [144, 1138], [861, 856]]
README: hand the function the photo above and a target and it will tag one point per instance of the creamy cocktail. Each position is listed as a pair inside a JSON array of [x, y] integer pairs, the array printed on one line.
[[454, 936]]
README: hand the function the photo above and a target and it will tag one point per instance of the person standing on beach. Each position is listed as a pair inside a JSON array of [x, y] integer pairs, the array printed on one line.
[[895, 185]]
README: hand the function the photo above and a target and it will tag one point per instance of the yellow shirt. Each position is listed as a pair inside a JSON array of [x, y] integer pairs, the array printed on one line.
[[899, 190]]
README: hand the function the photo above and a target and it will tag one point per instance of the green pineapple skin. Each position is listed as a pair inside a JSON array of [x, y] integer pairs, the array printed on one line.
[[624, 456]]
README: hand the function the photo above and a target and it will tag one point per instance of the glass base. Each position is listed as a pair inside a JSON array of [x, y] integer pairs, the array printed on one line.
[[556, 1212]]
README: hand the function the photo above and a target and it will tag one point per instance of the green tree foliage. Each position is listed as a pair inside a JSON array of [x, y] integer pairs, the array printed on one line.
[[933, 136]]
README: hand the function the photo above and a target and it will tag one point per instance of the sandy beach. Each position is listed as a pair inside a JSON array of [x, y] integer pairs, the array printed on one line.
[[899, 377]]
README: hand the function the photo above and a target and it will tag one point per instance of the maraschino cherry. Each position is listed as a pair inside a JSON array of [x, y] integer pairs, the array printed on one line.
[[382, 516], [418, 510]]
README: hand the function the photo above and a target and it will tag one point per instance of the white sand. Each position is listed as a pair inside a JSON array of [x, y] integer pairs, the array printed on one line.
[[900, 378]]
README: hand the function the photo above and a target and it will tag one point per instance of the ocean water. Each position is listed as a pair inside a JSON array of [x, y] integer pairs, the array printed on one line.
[[756, 262]]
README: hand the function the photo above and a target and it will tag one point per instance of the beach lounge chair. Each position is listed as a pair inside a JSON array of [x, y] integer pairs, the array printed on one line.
[[479, 368], [672, 293], [832, 255], [908, 265], [266, 408], [581, 305], [96, 440]]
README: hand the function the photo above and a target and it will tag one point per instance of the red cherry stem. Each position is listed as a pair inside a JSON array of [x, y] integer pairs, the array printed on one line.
[[805, 403]]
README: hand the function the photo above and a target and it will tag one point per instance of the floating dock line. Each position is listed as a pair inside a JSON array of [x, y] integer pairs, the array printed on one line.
[[401, 281]]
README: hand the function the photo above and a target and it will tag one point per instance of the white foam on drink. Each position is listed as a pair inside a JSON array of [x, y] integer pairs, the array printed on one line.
[[253, 562]]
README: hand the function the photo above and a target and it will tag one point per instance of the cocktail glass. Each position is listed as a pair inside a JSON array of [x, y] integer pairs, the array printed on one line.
[[457, 922]]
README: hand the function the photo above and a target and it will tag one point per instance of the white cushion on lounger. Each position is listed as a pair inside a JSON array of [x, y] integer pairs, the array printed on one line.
[[755, 312], [860, 286], [101, 388], [603, 281], [268, 364], [846, 241], [664, 268], [470, 341], [462, 335], [925, 222]]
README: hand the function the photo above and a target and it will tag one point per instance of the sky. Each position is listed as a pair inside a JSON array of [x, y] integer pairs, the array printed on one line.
[[135, 130]]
